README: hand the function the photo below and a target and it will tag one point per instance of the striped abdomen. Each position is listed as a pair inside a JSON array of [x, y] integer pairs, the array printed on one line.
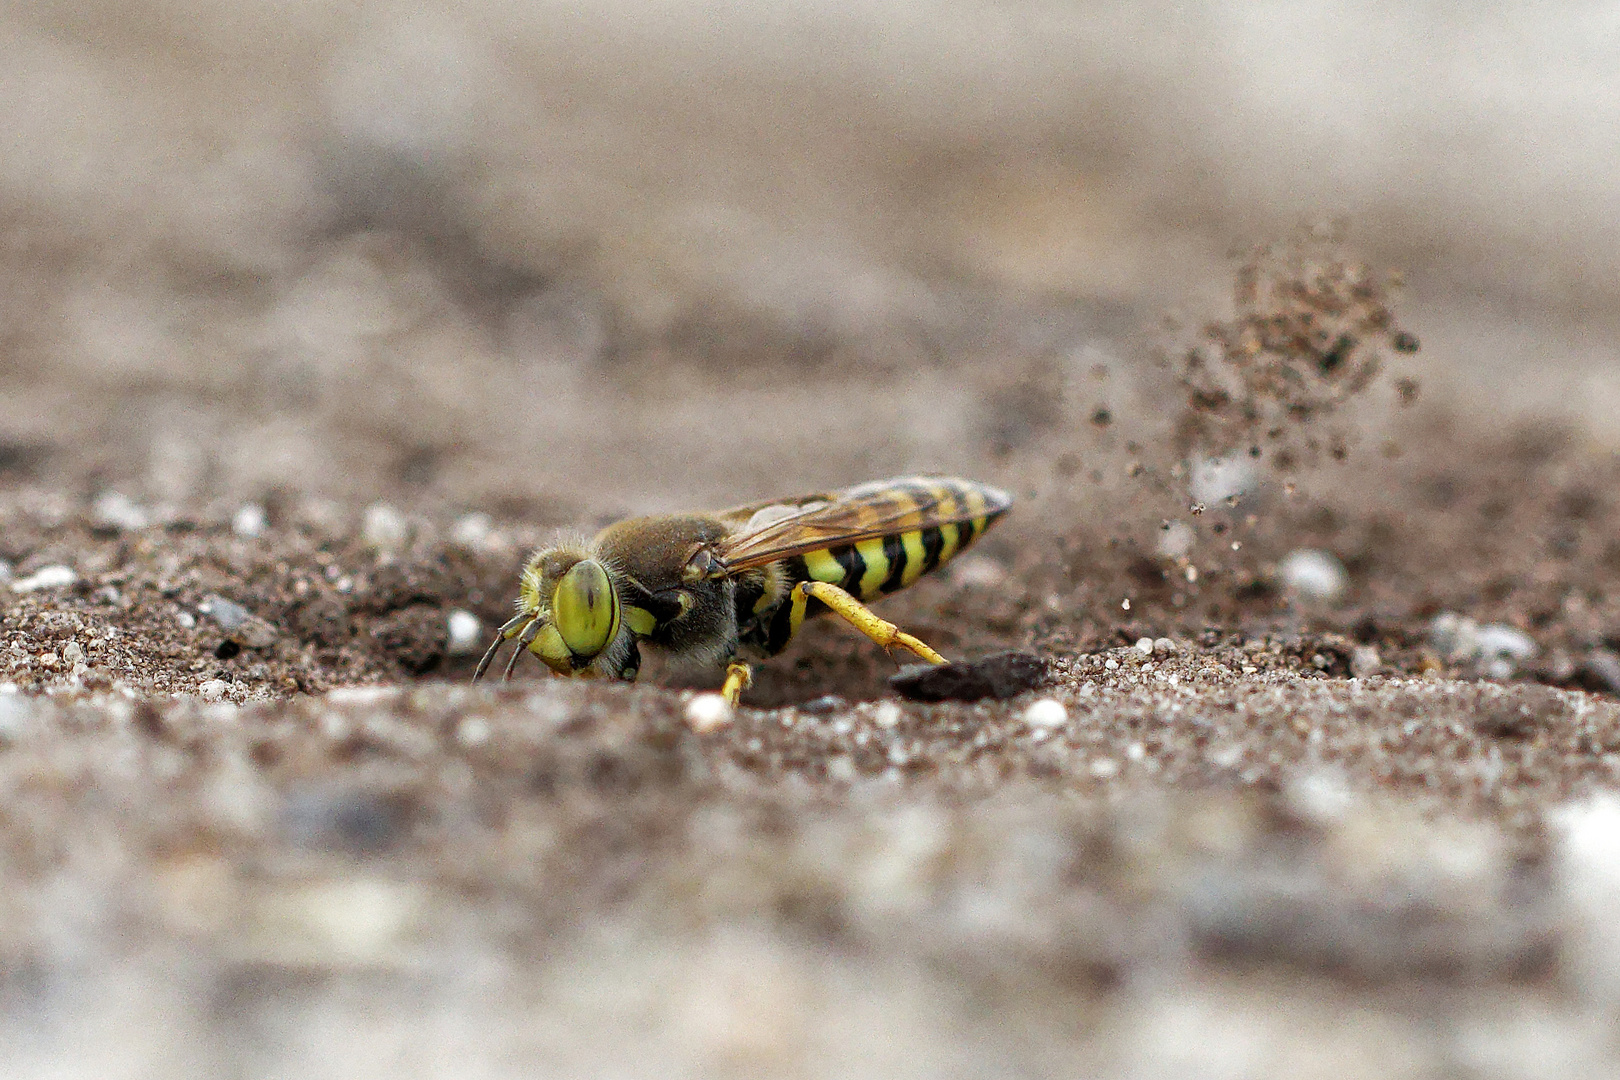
[[932, 520]]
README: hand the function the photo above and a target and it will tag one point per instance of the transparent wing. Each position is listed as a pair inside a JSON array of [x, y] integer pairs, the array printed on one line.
[[775, 530]]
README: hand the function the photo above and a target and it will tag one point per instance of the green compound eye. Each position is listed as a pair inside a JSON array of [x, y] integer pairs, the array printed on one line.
[[585, 608]]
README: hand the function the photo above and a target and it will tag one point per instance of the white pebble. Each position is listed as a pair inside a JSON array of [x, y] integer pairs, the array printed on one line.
[[46, 577], [228, 614], [706, 712], [1045, 714], [249, 521], [466, 633], [237, 621], [977, 572], [1498, 640], [473, 731], [1144, 646], [1104, 768], [886, 714], [1321, 795], [384, 528], [1164, 645], [1175, 540], [1496, 648], [1215, 480], [471, 530], [110, 510], [1364, 661], [1314, 575], [16, 715], [362, 695], [1456, 636], [213, 690], [1136, 752]]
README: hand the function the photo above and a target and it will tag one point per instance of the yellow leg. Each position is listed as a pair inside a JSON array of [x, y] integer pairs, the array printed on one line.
[[861, 618], [739, 677]]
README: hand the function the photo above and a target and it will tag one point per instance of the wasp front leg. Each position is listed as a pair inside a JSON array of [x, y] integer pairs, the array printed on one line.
[[739, 677], [860, 616]]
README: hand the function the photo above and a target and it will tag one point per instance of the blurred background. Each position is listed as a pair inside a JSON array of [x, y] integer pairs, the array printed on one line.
[[552, 260]]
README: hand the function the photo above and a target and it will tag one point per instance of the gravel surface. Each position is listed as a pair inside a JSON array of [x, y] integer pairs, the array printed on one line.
[[1284, 738]]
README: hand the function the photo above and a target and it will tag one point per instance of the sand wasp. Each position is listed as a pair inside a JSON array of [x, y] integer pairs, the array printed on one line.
[[704, 586]]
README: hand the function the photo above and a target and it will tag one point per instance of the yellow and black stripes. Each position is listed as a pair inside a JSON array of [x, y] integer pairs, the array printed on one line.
[[944, 517]]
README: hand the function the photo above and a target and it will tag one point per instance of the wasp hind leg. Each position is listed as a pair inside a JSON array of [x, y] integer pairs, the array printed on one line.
[[739, 677], [860, 616]]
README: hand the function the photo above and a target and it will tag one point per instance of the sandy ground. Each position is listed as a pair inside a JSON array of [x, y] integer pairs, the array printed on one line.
[[315, 320]]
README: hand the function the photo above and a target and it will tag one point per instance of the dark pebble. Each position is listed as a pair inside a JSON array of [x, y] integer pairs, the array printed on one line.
[[345, 819], [999, 675], [1601, 671]]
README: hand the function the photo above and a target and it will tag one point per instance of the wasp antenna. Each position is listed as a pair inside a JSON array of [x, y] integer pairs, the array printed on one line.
[[528, 635], [489, 656], [501, 635], [511, 663]]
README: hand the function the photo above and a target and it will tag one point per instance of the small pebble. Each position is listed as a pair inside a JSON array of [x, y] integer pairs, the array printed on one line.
[[1000, 675], [706, 712], [114, 511], [213, 690], [1145, 646], [1320, 795], [1314, 575], [1496, 649], [1455, 636], [1175, 540], [466, 633], [1104, 768], [1163, 645], [383, 528], [16, 715], [46, 577], [1045, 714], [1364, 661], [1602, 670], [228, 614], [977, 572], [1216, 480], [473, 731], [1498, 640], [362, 695], [244, 627], [249, 521], [886, 714], [471, 530]]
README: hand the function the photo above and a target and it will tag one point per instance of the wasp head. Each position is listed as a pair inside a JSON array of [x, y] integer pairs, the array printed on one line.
[[568, 613]]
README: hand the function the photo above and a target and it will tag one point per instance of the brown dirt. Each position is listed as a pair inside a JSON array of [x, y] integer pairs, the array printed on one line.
[[246, 831], [255, 466]]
